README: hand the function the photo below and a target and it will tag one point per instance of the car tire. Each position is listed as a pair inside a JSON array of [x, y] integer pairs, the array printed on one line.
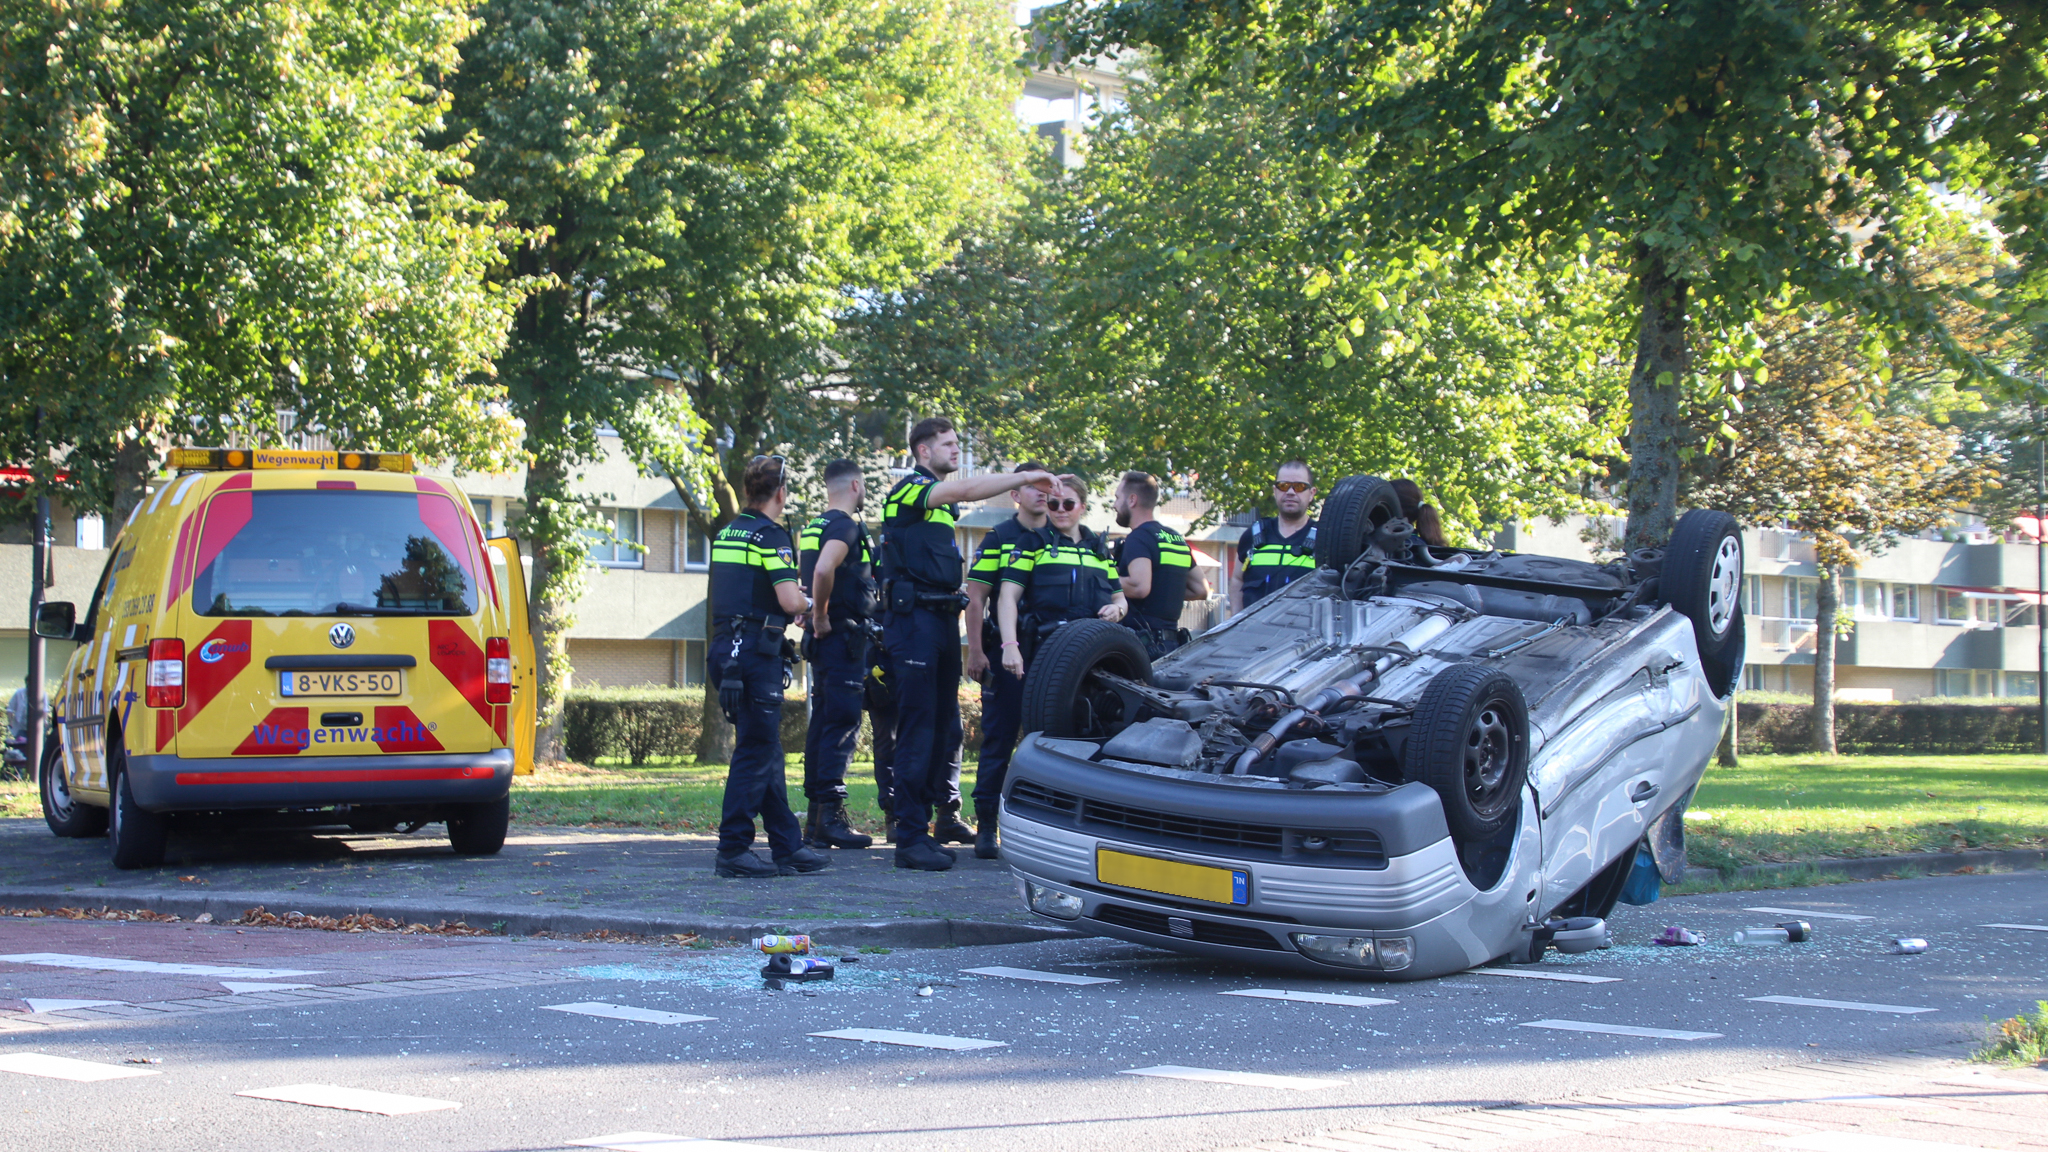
[[1702, 580], [1357, 506], [1469, 740], [136, 836], [479, 829], [1058, 698], [66, 815]]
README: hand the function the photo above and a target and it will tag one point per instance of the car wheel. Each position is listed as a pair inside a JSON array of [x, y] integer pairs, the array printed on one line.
[[1469, 740], [137, 836], [479, 829], [64, 813], [1062, 697], [1702, 580], [1356, 509]]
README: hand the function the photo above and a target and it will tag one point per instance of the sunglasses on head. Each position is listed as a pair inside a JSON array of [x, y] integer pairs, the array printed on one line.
[[781, 467], [1291, 486], [1063, 505]]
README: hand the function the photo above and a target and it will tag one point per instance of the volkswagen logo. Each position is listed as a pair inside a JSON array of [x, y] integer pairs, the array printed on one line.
[[341, 635]]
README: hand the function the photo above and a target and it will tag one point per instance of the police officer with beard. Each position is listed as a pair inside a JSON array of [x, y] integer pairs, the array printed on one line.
[[835, 565], [921, 628], [1154, 566], [754, 596], [1278, 550]]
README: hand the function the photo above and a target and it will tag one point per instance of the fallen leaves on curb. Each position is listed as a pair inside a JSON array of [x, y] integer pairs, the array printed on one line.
[[259, 917], [102, 913], [611, 936]]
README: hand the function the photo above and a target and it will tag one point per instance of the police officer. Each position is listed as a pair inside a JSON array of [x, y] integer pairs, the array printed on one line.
[[1068, 578], [835, 562], [921, 625], [754, 596], [1154, 566], [1002, 695], [1277, 551]]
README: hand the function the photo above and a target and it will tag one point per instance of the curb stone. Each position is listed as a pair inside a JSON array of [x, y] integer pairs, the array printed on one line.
[[923, 932], [1879, 867]]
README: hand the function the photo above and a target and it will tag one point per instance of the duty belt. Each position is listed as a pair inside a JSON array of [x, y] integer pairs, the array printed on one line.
[[737, 622]]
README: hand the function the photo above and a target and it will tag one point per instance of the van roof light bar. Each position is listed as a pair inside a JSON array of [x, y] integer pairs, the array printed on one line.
[[243, 459]]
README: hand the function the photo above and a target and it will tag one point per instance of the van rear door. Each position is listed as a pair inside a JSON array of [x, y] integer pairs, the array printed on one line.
[[525, 675]]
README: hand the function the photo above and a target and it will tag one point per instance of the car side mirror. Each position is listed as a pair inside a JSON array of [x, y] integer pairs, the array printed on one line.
[[56, 620]]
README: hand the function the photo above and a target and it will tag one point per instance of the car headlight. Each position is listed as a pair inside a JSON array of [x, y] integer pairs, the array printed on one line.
[[1386, 953], [1052, 902], [1396, 952]]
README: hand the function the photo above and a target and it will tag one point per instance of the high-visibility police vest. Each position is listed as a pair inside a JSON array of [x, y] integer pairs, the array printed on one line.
[[749, 557], [1172, 565], [1064, 579], [1274, 561], [853, 587], [917, 540]]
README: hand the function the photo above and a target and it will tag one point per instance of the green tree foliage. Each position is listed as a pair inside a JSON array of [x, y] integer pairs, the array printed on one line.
[[211, 210], [1716, 145], [696, 185]]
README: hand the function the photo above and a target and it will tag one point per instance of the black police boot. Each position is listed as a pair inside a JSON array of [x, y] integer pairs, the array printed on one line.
[[834, 831], [920, 853], [744, 865], [812, 835], [804, 859], [948, 829], [985, 833]]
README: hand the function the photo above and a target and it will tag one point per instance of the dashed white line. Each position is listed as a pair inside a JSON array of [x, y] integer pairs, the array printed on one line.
[[1622, 1030], [1220, 1076], [1816, 915], [1850, 1005], [910, 1039], [659, 1142], [350, 1099], [1034, 974], [118, 964], [65, 1068], [238, 987], [1568, 977], [2018, 927], [1312, 997], [623, 1012], [36, 1005]]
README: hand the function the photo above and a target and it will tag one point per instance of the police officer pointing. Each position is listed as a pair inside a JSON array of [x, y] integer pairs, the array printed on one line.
[[835, 561], [921, 628], [1154, 566], [1277, 551], [754, 596]]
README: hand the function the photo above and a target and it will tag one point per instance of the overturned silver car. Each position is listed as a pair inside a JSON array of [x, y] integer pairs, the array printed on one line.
[[1413, 761]]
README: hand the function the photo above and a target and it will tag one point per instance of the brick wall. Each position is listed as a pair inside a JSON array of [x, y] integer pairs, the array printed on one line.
[[622, 663]]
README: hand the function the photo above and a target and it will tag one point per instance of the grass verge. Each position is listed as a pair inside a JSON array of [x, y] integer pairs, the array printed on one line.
[[2023, 1039], [675, 795]]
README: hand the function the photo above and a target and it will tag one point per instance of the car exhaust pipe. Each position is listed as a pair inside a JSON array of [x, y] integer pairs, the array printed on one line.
[[1351, 687]]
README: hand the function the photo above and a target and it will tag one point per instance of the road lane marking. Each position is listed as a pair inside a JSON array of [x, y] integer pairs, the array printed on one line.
[[1219, 1076], [1568, 977], [623, 1012], [1865, 1142], [1311, 997], [1851, 1005], [2019, 927], [35, 1005], [1622, 1030], [65, 1068], [910, 1039], [1034, 974], [350, 1099], [117, 964], [240, 986], [1817, 915], [659, 1142]]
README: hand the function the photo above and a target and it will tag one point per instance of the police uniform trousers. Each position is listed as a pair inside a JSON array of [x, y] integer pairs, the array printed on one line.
[[838, 665], [1002, 714], [754, 781], [924, 660]]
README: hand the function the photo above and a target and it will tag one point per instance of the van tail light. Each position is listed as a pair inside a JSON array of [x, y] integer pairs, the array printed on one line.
[[164, 684], [497, 670]]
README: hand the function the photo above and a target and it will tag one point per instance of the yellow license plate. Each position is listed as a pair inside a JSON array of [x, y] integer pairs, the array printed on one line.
[[1173, 878], [355, 682]]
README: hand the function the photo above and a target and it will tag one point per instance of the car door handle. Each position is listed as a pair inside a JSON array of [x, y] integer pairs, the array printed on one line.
[[1644, 790]]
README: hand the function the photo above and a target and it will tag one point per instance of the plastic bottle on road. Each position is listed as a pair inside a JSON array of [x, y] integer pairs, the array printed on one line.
[[1785, 932]]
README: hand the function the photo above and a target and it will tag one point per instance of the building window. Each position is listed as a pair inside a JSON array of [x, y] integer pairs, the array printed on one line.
[[1954, 681], [1753, 596], [1753, 675], [1806, 600], [482, 508], [1951, 608], [1905, 602], [2022, 684], [693, 663], [696, 546], [92, 531], [616, 549]]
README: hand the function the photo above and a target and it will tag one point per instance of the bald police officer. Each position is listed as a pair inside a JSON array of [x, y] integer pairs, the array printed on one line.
[[1278, 550], [836, 564]]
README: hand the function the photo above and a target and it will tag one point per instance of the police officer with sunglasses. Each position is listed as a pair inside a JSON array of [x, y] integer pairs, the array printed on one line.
[[1278, 550], [754, 597]]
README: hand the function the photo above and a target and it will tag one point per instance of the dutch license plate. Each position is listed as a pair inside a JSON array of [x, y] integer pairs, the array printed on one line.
[[372, 682], [1173, 878]]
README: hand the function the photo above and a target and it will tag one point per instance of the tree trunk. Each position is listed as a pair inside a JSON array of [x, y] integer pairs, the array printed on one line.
[[1655, 432], [714, 745], [133, 463], [550, 603], [1825, 600], [1727, 755]]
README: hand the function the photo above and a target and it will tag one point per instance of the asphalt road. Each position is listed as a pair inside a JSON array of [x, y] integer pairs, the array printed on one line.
[[468, 1022]]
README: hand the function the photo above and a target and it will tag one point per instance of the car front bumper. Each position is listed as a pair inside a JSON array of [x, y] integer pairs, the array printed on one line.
[[177, 784]]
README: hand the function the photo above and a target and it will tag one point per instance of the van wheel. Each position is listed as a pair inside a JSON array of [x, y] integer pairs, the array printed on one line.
[[479, 829], [1062, 696], [137, 836], [1469, 740], [65, 814]]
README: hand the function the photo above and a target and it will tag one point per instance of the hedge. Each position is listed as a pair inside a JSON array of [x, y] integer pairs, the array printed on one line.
[[639, 724], [1893, 729]]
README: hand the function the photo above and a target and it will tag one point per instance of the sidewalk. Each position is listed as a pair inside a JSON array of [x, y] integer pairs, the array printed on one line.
[[568, 880]]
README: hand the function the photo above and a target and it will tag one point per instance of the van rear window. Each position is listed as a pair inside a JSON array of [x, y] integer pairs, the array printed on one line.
[[299, 552]]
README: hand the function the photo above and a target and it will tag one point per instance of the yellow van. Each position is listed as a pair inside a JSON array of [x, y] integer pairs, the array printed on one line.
[[294, 631]]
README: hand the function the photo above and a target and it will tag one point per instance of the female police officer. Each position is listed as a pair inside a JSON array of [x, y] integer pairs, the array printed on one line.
[[1069, 578], [754, 596]]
